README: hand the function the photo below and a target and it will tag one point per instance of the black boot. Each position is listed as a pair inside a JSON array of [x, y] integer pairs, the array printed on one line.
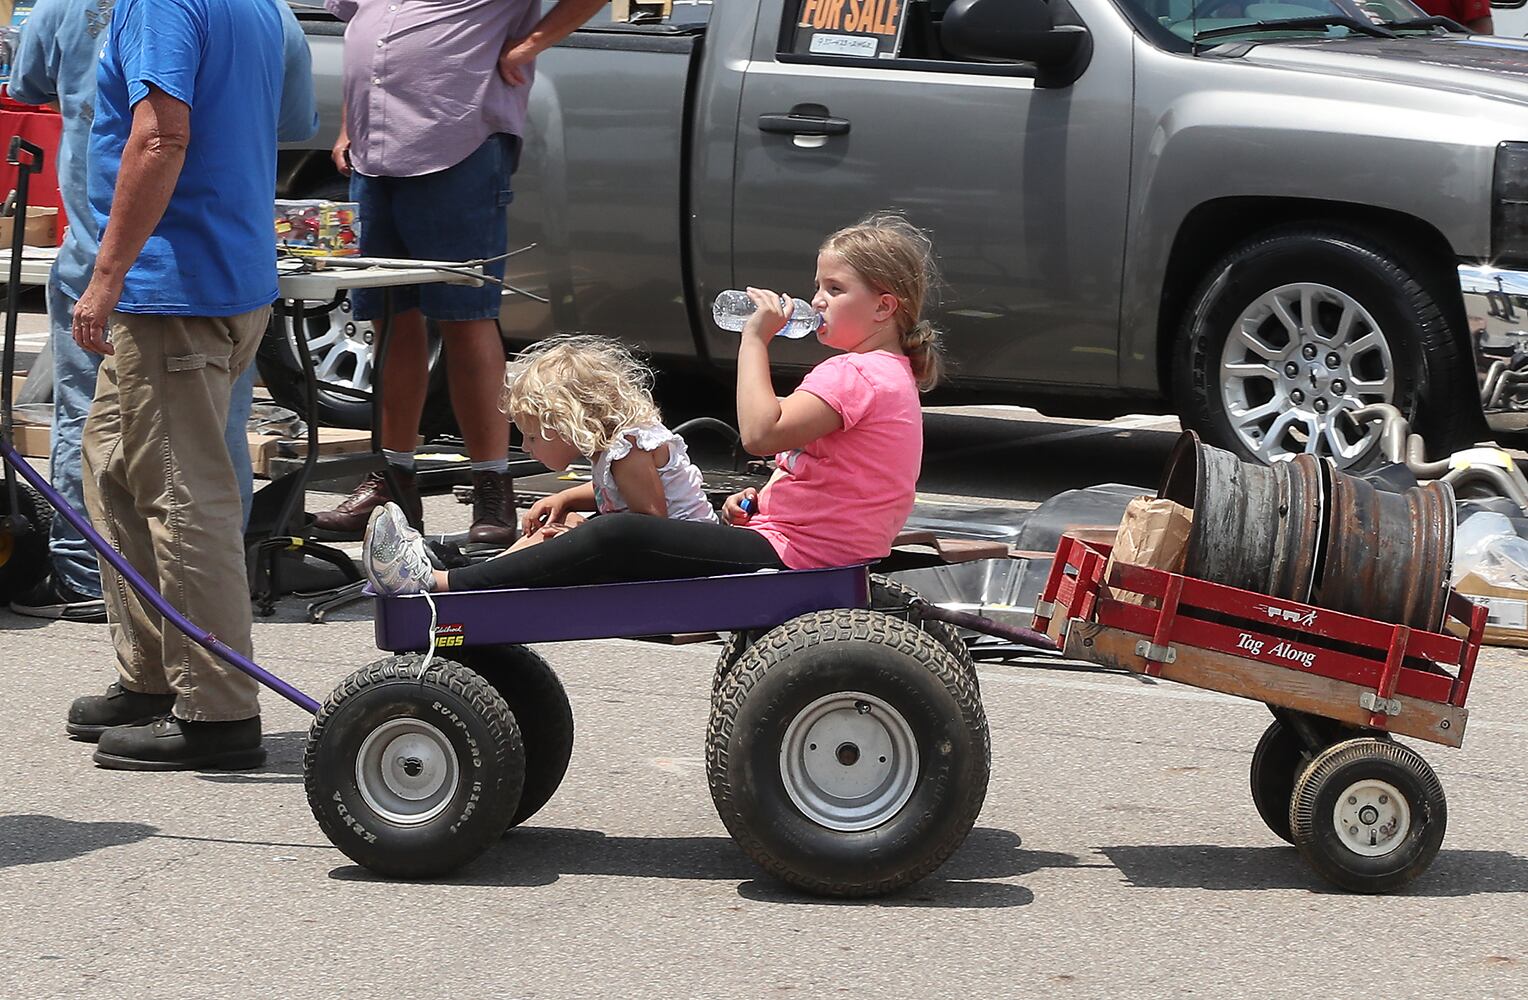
[[171, 744], [93, 714]]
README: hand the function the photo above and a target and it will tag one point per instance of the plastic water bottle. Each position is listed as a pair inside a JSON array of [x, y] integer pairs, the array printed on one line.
[[732, 308]]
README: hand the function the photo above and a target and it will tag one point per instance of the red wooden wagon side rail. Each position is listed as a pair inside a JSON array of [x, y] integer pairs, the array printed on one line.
[[1356, 670]]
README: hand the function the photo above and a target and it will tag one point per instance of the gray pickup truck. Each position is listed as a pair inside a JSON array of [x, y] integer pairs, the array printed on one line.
[[1256, 214]]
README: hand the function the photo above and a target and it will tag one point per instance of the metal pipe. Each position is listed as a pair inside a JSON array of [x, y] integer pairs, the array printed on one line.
[[200, 636], [976, 623], [1498, 479]]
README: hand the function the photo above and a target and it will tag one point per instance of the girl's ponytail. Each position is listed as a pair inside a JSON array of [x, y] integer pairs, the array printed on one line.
[[925, 353]]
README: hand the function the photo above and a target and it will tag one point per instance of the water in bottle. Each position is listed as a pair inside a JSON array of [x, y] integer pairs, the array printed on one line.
[[732, 308]]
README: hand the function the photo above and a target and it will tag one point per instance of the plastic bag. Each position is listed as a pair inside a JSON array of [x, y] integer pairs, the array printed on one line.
[[1487, 545]]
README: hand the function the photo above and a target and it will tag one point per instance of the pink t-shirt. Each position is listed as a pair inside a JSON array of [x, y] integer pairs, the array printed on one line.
[[845, 496]]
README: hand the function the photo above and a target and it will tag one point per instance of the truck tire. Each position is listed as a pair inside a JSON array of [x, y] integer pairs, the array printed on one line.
[[535, 695], [849, 755], [342, 355], [1254, 374], [413, 777], [23, 554]]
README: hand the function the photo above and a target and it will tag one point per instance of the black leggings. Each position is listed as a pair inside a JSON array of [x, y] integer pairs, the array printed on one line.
[[615, 548]]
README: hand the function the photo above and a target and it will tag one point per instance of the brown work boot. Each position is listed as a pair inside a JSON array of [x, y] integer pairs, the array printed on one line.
[[493, 509], [350, 517]]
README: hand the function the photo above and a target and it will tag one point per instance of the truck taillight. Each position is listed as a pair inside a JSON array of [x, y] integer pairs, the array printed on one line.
[[1509, 205]]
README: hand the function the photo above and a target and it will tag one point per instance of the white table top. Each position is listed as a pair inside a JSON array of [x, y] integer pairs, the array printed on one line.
[[313, 286]]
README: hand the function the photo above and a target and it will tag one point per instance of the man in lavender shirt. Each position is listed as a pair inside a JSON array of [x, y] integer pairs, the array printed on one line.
[[435, 106]]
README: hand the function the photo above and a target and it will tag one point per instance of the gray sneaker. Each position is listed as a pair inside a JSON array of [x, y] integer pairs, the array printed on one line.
[[394, 555]]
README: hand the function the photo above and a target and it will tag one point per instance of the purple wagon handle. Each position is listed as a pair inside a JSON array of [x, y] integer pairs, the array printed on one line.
[[200, 636]]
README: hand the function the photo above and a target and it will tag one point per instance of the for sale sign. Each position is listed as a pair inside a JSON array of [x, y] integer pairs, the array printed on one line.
[[864, 29]]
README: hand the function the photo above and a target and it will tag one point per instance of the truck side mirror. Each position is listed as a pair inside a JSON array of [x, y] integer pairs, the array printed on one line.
[[1019, 31]]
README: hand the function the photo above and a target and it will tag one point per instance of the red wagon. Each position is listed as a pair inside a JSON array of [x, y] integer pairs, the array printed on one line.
[[1366, 812]]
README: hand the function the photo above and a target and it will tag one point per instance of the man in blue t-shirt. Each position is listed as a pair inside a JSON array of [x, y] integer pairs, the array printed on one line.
[[182, 171], [56, 61]]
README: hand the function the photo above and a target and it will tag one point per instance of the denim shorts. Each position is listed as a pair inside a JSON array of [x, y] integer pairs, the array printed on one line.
[[452, 214]]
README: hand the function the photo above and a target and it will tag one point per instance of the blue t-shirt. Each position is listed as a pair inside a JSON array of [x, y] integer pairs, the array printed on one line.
[[214, 251], [56, 61]]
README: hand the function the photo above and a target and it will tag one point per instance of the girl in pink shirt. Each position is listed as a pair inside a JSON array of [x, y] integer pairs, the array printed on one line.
[[848, 446], [849, 440]]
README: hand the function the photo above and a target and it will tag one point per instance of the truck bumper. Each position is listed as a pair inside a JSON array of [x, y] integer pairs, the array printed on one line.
[[1496, 307]]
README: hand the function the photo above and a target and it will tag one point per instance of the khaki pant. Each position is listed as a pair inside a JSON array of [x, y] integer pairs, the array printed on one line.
[[160, 486]]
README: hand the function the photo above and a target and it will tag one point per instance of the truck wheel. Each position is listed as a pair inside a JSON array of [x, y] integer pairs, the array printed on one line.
[[1299, 324], [413, 778], [1276, 763], [848, 756], [342, 356], [1368, 815], [24, 553], [535, 695]]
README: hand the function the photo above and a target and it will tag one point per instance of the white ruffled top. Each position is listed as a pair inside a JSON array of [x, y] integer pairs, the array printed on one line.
[[681, 480]]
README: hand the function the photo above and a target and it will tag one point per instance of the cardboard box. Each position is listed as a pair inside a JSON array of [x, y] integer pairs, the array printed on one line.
[[1154, 533], [41, 228], [263, 448], [33, 440], [1506, 606]]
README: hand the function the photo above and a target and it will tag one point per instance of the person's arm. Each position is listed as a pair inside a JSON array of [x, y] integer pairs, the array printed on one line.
[[559, 22], [767, 423], [1482, 25], [151, 164], [298, 119], [636, 476], [554, 509], [34, 64]]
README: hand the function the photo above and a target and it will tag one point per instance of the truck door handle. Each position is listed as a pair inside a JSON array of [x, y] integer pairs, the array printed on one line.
[[796, 123]]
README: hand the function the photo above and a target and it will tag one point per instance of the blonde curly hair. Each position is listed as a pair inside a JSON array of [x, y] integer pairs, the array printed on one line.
[[587, 390]]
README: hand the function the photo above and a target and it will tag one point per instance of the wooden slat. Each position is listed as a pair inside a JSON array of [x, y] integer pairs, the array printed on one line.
[[1423, 720]]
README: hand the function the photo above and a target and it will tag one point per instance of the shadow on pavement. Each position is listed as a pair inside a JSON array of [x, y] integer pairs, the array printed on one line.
[[1202, 866], [536, 856], [31, 839], [283, 763]]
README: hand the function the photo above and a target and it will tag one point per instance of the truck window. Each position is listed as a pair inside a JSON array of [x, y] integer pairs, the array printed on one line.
[[871, 31]]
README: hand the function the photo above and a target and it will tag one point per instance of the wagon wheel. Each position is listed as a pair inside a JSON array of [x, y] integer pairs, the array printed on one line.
[[887, 596], [535, 695], [413, 777], [24, 553], [1276, 763], [849, 755], [1368, 815]]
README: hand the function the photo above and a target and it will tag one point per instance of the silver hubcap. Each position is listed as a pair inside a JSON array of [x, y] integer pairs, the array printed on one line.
[[849, 761], [1297, 356], [342, 352], [1372, 818], [407, 771]]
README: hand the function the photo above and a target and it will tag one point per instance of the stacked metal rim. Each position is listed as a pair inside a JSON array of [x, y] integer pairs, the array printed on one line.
[[1305, 531]]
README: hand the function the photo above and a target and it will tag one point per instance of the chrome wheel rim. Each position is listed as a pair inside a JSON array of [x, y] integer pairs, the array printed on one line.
[[849, 761], [341, 347], [407, 771], [1372, 818], [1299, 355]]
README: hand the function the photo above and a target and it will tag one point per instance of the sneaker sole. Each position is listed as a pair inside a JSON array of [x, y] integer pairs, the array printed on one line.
[[93, 613], [228, 760]]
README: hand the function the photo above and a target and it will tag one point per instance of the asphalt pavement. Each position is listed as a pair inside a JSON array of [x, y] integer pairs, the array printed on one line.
[[1118, 854]]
